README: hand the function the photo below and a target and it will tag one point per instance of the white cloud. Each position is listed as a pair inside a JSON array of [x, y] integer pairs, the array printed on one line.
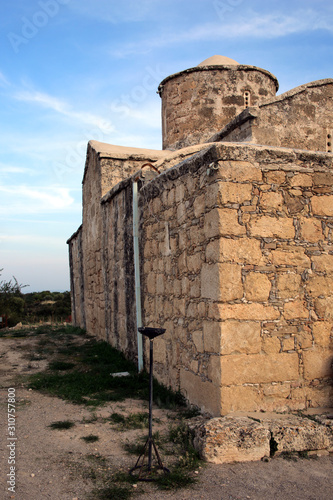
[[12, 169], [253, 25], [64, 109], [32, 200]]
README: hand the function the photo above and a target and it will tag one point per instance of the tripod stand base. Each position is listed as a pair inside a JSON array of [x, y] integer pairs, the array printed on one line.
[[147, 471]]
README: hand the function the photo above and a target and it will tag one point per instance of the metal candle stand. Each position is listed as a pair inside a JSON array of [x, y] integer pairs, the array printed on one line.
[[146, 470]]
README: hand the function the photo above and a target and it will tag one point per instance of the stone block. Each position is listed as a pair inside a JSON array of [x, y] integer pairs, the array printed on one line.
[[179, 307], [180, 192], [311, 230], [259, 368], [212, 331], [271, 201], [323, 179], [202, 393], [160, 284], [288, 285], [275, 177], [320, 285], [301, 180], [232, 439], [151, 283], [214, 369], [320, 397], [192, 310], [277, 390], [296, 310], [195, 288], [199, 206], [293, 256], [288, 344], [241, 251], [251, 312], [160, 351], [241, 398], [322, 205], [197, 338], [323, 334], [271, 345], [323, 263], [181, 213], [236, 170], [182, 262], [222, 222], [257, 287], [238, 337], [235, 192], [194, 262], [221, 282], [292, 433], [324, 308], [317, 364], [272, 227]]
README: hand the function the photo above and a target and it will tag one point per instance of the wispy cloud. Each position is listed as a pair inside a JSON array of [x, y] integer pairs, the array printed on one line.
[[116, 12], [63, 108], [269, 26], [32, 200], [12, 169], [3, 81]]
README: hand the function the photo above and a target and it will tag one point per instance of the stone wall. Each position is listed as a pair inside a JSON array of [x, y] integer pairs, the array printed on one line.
[[238, 267], [198, 102], [118, 269], [106, 166], [76, 278], [300, 118]]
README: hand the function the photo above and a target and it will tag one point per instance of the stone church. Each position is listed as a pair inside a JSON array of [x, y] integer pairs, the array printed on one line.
[[224, 238]]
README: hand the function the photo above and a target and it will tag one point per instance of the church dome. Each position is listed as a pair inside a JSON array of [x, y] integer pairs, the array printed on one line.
[[219, 61]]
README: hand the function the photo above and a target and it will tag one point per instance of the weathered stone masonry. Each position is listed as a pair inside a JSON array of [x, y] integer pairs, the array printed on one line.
[[236, 254], [239, 273]]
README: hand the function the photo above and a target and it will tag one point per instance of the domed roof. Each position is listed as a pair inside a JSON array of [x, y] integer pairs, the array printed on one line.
[[219, 61]]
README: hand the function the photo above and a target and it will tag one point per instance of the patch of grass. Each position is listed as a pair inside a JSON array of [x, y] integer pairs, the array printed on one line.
[[131, 421], [24, 332], [134, 448], [89, 380], [181, 436], [112, 492], [62, 424], [61, 365], [96, 457], [303, 454], [190, 412], [90, 439], [177, 478]]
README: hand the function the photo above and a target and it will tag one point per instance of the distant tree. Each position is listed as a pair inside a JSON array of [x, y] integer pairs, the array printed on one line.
[[11, 300]]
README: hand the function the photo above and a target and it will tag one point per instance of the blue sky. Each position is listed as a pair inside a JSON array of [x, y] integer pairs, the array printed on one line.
[[75, 70]]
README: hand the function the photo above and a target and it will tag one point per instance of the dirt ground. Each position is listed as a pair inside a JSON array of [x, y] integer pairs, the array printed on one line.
[[59, 465]]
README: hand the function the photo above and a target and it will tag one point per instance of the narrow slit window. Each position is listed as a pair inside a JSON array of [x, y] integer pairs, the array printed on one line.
[[247, 99], [329, 141]]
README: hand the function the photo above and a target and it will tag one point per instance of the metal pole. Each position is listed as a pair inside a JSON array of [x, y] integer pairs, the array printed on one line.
[[137, 273], [150, 403]]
